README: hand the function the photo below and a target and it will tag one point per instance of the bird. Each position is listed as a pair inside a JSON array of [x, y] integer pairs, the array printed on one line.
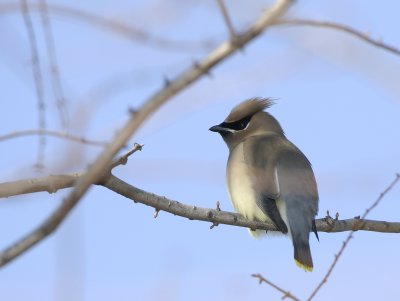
[[268, 178]]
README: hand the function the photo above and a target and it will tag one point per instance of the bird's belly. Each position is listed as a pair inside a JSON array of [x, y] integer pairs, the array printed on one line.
[[240, 188]]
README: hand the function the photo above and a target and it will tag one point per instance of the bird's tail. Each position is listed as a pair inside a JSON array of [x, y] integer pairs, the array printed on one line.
[[302, 254]]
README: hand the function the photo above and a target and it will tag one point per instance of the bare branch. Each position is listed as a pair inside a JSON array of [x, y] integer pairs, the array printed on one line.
[[286, 294], [227, 20], [191, 212], [55, 182], [51, 184], [358, 224], [340, 27], [37, 75], [51, 133], [350, 236], [54, 67], [223, 217]]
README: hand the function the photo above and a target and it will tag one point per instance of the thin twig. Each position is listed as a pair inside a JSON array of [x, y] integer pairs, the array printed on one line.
[[340, 27], [227, 20], [96, 171], [54, 66], [124, 158], [350, 236], [57, 134], [286, 294], [37, 75]]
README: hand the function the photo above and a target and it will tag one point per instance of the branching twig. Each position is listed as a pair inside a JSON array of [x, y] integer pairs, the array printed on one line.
[[286, 294], [37, 75], [54, 67], [51, 133], [99, 166], [227, 20], [340, 27], [350, 236]]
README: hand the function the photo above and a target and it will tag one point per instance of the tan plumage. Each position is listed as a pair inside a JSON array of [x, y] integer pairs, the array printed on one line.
[[268, 177]]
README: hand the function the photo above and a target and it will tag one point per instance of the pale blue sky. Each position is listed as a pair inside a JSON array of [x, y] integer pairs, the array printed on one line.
[[337, 100]]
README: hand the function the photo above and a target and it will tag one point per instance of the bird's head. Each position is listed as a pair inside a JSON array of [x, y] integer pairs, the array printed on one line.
[[248, 119]]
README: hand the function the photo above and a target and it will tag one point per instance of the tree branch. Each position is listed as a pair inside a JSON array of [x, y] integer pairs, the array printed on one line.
[[96, 171], [51, 133], [51, 184], [55, 182], [340, 27], [191, 212]]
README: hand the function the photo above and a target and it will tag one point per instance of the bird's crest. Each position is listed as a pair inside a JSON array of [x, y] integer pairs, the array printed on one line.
[[248, 108]]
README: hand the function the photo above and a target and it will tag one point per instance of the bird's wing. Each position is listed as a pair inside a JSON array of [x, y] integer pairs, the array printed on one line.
[[258, 155], [298, 190]]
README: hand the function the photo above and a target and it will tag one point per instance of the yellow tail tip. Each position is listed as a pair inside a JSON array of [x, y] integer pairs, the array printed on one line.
[[304, 267]]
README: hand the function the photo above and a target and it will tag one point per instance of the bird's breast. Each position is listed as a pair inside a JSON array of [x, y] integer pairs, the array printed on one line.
[[240, 186]]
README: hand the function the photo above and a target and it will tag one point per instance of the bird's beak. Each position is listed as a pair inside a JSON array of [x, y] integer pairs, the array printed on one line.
[[217, 129]]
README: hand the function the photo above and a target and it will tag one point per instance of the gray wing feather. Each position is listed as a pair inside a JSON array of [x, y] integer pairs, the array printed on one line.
[[259, 155], [298, 190], [297, 184]]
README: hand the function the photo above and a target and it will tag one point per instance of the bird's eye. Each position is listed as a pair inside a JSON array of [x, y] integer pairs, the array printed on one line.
[[238, 125]]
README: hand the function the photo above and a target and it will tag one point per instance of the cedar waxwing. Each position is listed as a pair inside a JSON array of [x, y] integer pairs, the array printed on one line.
[[268, 177]]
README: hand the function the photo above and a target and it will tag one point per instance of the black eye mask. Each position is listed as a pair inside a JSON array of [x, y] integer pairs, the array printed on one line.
[[237, 125]]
